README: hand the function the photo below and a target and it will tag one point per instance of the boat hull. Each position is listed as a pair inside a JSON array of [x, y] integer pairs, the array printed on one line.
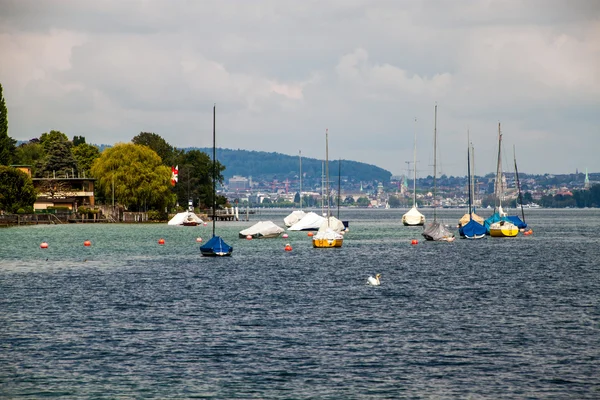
[[327, 243], [503, 230]]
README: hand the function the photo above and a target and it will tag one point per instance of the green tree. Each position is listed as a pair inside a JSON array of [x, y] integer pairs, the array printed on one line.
[[394, 202], [77, 140], [30, 153], [165, 151], [140, 180], [53, 136], [59, 159], [195, 179], [7, 144], [84, 155], [362, 201], [16, 190]]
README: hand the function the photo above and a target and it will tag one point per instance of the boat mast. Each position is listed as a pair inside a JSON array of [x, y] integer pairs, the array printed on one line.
[[498, 200], [339, 187], [469, 174], [415, 168], [434, 163], [300, 157], [518, 184], [214, 170], [327, 170]]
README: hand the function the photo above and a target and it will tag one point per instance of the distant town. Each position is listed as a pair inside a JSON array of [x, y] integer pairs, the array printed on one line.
[[568, 190]]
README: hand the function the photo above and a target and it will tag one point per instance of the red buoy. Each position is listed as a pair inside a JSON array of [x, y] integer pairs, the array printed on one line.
[[285, 236], [161, 241], [44, 245], [198, 239], [309, 234], [288, 247], [414, 241], [87, 243], [249, 237]]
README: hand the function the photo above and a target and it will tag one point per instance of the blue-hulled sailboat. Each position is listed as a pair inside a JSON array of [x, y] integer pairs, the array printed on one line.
[[216, 246], [472, 229]]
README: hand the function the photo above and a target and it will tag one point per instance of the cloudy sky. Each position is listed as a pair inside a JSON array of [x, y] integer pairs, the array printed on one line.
[[283, 71]]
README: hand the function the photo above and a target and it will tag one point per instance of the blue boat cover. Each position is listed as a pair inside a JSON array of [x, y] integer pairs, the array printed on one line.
[[216, 247], [472, 229], [517, 221]]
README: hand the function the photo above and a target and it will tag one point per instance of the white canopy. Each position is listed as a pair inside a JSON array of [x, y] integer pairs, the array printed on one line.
[[185, 216], [262, 229], [310, 222], [328, 234], [334, 224], [413, 217], [294, 217]]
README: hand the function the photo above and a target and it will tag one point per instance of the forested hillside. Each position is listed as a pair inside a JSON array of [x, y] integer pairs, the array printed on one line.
[[264, 165]]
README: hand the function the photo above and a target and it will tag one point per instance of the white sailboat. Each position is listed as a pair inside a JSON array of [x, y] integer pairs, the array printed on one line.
[[413, 217]]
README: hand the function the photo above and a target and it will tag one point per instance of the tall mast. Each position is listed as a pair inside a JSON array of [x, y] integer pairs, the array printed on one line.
[[339, 187], [518, 184], [300, 157], [415, 167], [469, 173], [498, 201], [327, 170], [434, 163], [214, 170]]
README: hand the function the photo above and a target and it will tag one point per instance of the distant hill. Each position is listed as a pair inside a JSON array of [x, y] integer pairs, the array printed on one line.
[[261, 165]]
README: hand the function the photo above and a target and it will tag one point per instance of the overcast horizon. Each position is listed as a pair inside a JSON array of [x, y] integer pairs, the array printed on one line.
[[282, 72]]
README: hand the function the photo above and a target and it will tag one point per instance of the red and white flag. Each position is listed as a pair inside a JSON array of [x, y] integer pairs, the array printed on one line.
[[174, 174]]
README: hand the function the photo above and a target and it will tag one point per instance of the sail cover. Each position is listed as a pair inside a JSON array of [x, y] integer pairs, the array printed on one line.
[[186, 216], [517, 221], [413, 217], [334, 224], [436, 231], [472, 229], [216, 247], [262, 229], [310, 222], [294, 217]]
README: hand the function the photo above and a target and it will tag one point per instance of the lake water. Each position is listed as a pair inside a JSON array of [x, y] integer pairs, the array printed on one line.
[[128, 318]]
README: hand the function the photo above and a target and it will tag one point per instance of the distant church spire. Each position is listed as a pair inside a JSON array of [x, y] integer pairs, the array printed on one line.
[[586, 182]]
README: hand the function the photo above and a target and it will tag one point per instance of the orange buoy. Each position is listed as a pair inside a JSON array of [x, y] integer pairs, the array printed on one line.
[[198, 239], [288, 247], [87, 243], [309, 234], [44, 245], [285, 236], [249, 237], [414, 241], [161, 241]]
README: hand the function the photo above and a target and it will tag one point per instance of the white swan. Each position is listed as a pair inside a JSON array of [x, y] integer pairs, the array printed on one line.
[[374, 281]]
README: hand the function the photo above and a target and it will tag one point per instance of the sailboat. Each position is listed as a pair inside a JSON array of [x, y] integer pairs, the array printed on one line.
[[498, 225], [296, 215], [328, 234], [520, 223], [413, 217], [216, 246], [469, 227], [436, 231]]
